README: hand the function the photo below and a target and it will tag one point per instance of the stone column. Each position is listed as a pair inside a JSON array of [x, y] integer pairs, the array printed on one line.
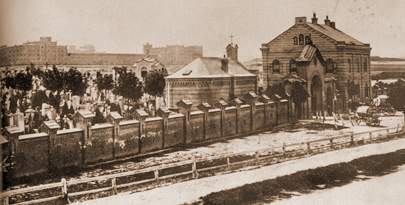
[[185, 109], [164, 114], [115, 119], [222, 104], [51, 128], [205, 108]]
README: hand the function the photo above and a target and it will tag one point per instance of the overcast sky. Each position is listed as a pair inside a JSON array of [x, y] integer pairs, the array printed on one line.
[[125, 25]]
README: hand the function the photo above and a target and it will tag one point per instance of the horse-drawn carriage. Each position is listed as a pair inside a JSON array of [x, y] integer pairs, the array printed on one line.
[[368, 114]]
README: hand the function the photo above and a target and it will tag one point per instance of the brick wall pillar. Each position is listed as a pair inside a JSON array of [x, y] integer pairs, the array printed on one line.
[[164, 114], [222, 104], [115, 119], [205, 108], [185, 109], [51, 128], [266, 100], [83, 120], [141, 115], [237, 102], [251, 98], [12, 134]]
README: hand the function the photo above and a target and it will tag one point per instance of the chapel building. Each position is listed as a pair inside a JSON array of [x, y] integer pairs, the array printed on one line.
[[333, 66], [209, 79]]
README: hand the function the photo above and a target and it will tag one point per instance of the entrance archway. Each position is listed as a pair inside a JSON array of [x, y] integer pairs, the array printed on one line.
[[316, 95]]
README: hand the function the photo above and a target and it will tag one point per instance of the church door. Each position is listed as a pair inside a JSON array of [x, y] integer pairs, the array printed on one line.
[[316, 95]]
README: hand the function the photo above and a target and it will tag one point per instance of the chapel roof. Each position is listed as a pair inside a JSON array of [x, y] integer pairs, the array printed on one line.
[[211, 67], [335, 34]]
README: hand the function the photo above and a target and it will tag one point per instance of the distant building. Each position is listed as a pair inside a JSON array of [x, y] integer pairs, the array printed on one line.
[[255, 66], [208, 79], [346, 59], [145, 65], [48, 52], [82, 49], [174, 54]]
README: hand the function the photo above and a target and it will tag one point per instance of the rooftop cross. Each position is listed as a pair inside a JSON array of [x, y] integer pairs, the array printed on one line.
[[231, 36]]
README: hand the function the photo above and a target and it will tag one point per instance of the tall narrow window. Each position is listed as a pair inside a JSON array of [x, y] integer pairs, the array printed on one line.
[[293, 66], [276, 66], [358, 64], [301, 39], [308, 40], [295, 39], [329, 66], [350, 65]]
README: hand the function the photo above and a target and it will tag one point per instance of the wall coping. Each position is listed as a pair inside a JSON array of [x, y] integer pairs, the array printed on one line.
[[197, 112], [259, 104], [214, 110], [100, 126], [244, 106], [230, 108], [128, 122], [65, 131], [32, 136], [153, 119], [176, 115]]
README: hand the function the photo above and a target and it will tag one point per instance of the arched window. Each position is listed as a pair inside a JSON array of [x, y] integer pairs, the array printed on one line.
[[276, 66], [293, 66], [295, 39], [301, 39], [329, 66], [308, 40]]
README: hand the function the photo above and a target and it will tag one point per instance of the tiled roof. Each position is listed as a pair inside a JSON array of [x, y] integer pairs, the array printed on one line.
[[210, 67], [335, 34]]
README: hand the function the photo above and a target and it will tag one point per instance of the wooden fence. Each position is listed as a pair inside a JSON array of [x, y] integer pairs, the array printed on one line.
[[83, 189]]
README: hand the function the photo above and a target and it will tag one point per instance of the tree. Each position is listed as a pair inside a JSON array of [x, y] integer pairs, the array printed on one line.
[[73, 80], [396, 94], [129, 86], [155, 83], [23, 81], [53, 79], [104, 82]]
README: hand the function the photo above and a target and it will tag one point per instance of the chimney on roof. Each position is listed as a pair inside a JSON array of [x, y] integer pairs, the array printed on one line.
[[314, 18], [327, 21], [300, 20], [333, 25], [224, 64]]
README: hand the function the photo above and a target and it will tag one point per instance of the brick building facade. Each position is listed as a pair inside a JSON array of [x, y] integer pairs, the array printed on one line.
[[208, 79], [345, 57], [48, 52]]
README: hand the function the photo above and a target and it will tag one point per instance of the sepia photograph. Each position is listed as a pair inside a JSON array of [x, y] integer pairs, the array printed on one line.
[[214, 102]]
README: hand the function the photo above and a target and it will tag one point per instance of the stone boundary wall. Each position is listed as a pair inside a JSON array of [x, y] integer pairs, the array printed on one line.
[[56, 150]]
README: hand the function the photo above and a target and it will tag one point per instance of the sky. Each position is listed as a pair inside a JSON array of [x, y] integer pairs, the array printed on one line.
[[123, 26]]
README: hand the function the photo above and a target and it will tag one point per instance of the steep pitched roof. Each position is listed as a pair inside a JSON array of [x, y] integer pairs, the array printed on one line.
[[210, 67], [332, 33], [335, 34]]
